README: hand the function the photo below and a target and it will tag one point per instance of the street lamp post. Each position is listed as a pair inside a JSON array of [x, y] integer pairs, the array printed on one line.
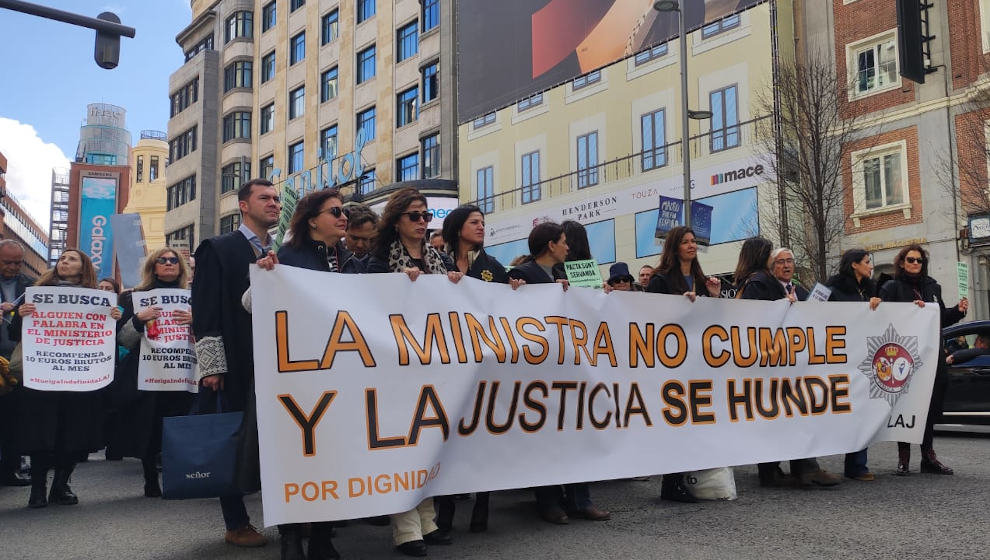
[[686, 113]]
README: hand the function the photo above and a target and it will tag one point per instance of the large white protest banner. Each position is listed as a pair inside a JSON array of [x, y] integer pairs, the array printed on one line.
[[69, 342], [168, 349], [375, 392]]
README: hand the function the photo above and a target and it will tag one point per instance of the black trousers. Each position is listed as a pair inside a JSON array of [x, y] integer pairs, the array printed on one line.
[[10, 454], [935, 406]]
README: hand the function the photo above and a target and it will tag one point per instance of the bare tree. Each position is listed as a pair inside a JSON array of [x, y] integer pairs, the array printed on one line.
[[808, 158], [972, 155]]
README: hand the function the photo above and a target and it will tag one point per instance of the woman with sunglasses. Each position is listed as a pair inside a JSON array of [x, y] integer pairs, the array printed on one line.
[[138, 430], [911, 283], [401, 247]]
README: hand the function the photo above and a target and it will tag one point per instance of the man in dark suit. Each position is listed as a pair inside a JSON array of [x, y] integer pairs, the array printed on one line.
[[12, 285], [222, 328]]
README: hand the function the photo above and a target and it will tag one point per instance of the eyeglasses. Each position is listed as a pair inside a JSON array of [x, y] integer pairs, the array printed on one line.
[[416, 216], [167, 260], [915, 260], [335, 211], [6, 262], [784, 261]]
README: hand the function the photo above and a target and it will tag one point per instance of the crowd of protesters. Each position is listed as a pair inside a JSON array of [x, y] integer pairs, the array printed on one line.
[[56, 429]]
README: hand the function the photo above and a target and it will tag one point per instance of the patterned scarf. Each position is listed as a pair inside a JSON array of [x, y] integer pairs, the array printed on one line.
[[399, 259]]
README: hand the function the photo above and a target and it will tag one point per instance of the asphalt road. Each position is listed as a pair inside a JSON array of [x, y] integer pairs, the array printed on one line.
[[920, 516]]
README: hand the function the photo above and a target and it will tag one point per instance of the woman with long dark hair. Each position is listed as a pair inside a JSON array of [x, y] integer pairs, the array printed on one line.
[[401, 247], [578, 246], [138, 431], [853, 282], [548, 247], [56, 426], [911, 283]]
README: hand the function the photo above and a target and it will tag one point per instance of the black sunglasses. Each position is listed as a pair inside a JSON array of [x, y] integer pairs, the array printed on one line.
[[416, 216], [335, 211], [914, 260], [167, 260]]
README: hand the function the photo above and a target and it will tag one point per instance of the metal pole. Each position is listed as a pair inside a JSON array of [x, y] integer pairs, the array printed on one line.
[[67, 17], [685, 129]]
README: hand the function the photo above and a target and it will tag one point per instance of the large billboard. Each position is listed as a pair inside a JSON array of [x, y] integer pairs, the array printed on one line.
[[510, 49], [98, 204]]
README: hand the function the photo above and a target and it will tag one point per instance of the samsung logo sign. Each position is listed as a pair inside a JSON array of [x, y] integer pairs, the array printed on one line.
[[736, 175]]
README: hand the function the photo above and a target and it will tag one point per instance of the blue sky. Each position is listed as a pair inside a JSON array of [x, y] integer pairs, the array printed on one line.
[[49, 77]]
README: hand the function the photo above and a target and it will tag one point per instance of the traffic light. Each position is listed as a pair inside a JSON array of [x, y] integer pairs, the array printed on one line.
[[912, 39], [107, 53]]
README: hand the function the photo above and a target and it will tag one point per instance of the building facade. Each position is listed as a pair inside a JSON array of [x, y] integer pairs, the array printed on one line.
[[308, 93], [603, 147], [147, 194]]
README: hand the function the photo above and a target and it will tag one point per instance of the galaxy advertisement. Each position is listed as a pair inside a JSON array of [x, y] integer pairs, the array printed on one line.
[[98, 203]]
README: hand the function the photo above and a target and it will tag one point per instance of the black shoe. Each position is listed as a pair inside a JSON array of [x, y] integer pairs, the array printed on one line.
[[775, 478], [479, 514], [554, 515], [37, 499], [412, 548], [60, 493], [672, 488], [321, 544], [930, 463], [437, 537], [152, 489], [15, 479], [291, 546]]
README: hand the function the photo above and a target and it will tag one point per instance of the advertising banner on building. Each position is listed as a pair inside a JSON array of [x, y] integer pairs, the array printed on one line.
[[97, 204], [129, 247], [70, 341], [367, 405], [168, 349], [511, 49]]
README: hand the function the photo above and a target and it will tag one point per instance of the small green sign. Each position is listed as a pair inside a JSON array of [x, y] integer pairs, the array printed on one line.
[[584, 274], [962, 276]]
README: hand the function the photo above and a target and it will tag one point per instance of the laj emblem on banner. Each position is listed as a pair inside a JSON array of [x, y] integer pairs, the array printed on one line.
[[890, 361]]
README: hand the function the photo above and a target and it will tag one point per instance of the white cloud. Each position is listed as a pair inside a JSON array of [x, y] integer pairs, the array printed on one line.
[[30, 161]]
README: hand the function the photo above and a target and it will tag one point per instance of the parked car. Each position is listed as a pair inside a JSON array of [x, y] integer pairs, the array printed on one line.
[[967, 397]]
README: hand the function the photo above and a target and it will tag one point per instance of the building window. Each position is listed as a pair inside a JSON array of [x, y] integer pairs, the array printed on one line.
[[229, 223], [406, 41], [328, 85], [237, 75], [720, 26], [483, 120], [366, 183], [184, 97], [237, 125], [586, 80], [642, 57], [241, 24], [329, 27], [297, 102], [876, 66], [296, 157], [725, 119], [139, 171], [431, 14], [405, 107], [182, 145], [529, 103], [232, 176], [267, 118], [181, 192], [296, 4], [268, 67], [266, 166], [268, 16], [205, 45], [882, 179], [587, 159], [430, 150], [153, 170], [183, 236], [365, 9], [366, 64], [653, 129], [486, 189], [328, 142], [366, 122], [431, 81], [297, 48], [530, 177], [407, 167]]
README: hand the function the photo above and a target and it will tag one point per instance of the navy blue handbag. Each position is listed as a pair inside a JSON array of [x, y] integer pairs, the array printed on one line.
[[199, 454]]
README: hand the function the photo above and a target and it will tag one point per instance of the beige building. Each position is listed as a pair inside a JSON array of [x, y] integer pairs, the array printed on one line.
[[602, 148], [147, 194], [357, 94]]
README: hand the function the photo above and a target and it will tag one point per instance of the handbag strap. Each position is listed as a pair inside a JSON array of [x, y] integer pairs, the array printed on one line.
[[198, 404]]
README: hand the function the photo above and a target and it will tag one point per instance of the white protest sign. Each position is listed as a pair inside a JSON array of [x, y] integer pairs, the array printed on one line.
[[820, 293], [374, 392], [168, 350], [69, 342]]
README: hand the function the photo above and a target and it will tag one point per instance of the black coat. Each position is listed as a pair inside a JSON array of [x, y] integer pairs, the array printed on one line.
[[532, 273], [135, 430], [312, 255], [659, 285], [926, 289], [12, 332], [486, 267], [845, 288], [762, 285]]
